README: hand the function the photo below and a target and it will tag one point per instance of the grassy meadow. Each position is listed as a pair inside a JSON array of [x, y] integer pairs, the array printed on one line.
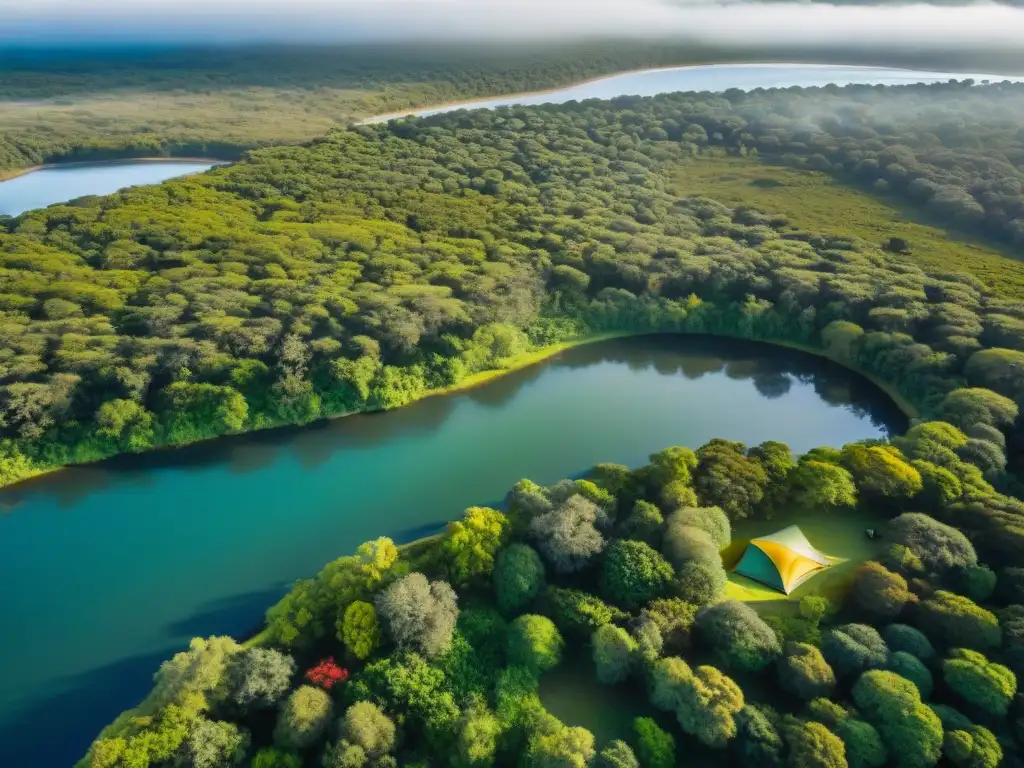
[[817, 202]]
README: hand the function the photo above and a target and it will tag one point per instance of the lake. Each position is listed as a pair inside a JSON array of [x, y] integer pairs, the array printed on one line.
[[107, 570], [712, 77], [60, 183]]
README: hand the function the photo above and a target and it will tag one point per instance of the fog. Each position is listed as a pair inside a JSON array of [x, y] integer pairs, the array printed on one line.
[[729, 23]]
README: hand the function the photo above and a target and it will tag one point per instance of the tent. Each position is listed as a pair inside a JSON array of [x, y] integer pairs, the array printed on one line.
[[782, 561]]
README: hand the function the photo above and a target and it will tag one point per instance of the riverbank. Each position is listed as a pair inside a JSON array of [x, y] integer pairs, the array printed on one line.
[[17, 173], [517, 363]]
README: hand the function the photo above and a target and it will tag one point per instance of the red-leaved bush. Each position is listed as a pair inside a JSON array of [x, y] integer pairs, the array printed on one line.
[[327, 674]]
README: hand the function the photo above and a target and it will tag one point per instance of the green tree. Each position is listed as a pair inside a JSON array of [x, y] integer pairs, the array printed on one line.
[[704, 699], [938, 546], [712, 520], [212, 744], [908, 666], [366, 726], [725, 477], [518, 577], [564, 747], [127, 423], [854, 648], [634, 574], [758, 742], [617, 755], [880, 472], [655, 747], [911, 732], [614, 653], [968, 406], [812, 745], [270, 757], [879, 593], [804, 672], [955, 620], [471, 544], [578, 613], [741, 638], [257, 678], [477, 741], [303, 718], [902, 637], [815, 485], [985, 684], [419, 614], [359, 629], [534, 642], [644, 523]]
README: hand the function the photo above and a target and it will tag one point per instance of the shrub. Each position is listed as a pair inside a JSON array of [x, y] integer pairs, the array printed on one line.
[[258, 678], [909, 666], [654, 747], [365, 725], [634, 574], [812, 745], [617, 755], [534, 642], [704, 699], [712, 520], [804, 672], [701, 583], [303, 718], [864, 747], [954, 620], [740, 637], [758, 743], [878, 592], [938, 546], [578, 613], [360, 630], [973, 747], [683, 543], [854, 648], [903, 637], [518, 577], [614, 652], [674, 619], [419, 614], [975, 581], [989, 686], [644, 523], [568, 536], [911, 731]]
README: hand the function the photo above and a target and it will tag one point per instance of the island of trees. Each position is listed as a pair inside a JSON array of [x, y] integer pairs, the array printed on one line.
[[433, 654]]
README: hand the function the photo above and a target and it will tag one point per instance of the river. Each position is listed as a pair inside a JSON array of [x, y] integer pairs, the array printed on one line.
[[711, 77], [107, 570], [60, 183]]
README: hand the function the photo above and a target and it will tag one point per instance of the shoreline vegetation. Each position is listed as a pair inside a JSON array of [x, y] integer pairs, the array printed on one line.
[[524, 360], [442, 645]]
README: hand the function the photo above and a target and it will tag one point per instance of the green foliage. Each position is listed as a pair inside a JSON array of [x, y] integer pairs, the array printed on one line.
[[725, 477], [471, 544], [270, 757], [634, 574], [614, 653], [975, 581], [821, 485], [684, 543], [568, 536], [864, 747], [812, 745], [366, 726], [655, 747], [617, 755], [758, 741], [701, 583], [912, 733], [854, 648], [674, 619], [644, 523], [518, 577], [303, 718], [257, 678], [578, 613], [419, 614], [565, 747], [740, 637], [938, 546], [880, 472], [212, 744], [908, 666], [705, 700], [955, 620], [985, 684], [973, 747], [804, 672], [878, 592], [193, 677], [712, 520], [903, 637], [477, 740], [359, 629], [534, 642]]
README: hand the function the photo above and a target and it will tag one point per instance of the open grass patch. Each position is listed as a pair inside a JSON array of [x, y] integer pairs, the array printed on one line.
[[840, 536], [814, 201]]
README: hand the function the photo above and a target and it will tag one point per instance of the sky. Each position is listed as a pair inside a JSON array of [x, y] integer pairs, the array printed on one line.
[[228, 21]]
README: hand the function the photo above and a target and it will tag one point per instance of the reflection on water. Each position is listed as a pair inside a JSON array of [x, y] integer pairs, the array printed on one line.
[[106, 569]]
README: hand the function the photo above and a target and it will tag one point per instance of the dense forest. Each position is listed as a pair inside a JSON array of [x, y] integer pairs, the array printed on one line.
[[385, 261], [433, 654], [92, 104]]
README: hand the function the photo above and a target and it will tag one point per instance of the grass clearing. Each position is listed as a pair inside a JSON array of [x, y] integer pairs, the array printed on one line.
[[816, 202], [839, 535]]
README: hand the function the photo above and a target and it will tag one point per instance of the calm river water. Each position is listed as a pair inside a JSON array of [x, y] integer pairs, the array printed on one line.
[[58, 184], [107, 570]]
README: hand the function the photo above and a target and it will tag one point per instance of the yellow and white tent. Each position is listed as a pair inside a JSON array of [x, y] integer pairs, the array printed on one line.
[[782, 561]]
